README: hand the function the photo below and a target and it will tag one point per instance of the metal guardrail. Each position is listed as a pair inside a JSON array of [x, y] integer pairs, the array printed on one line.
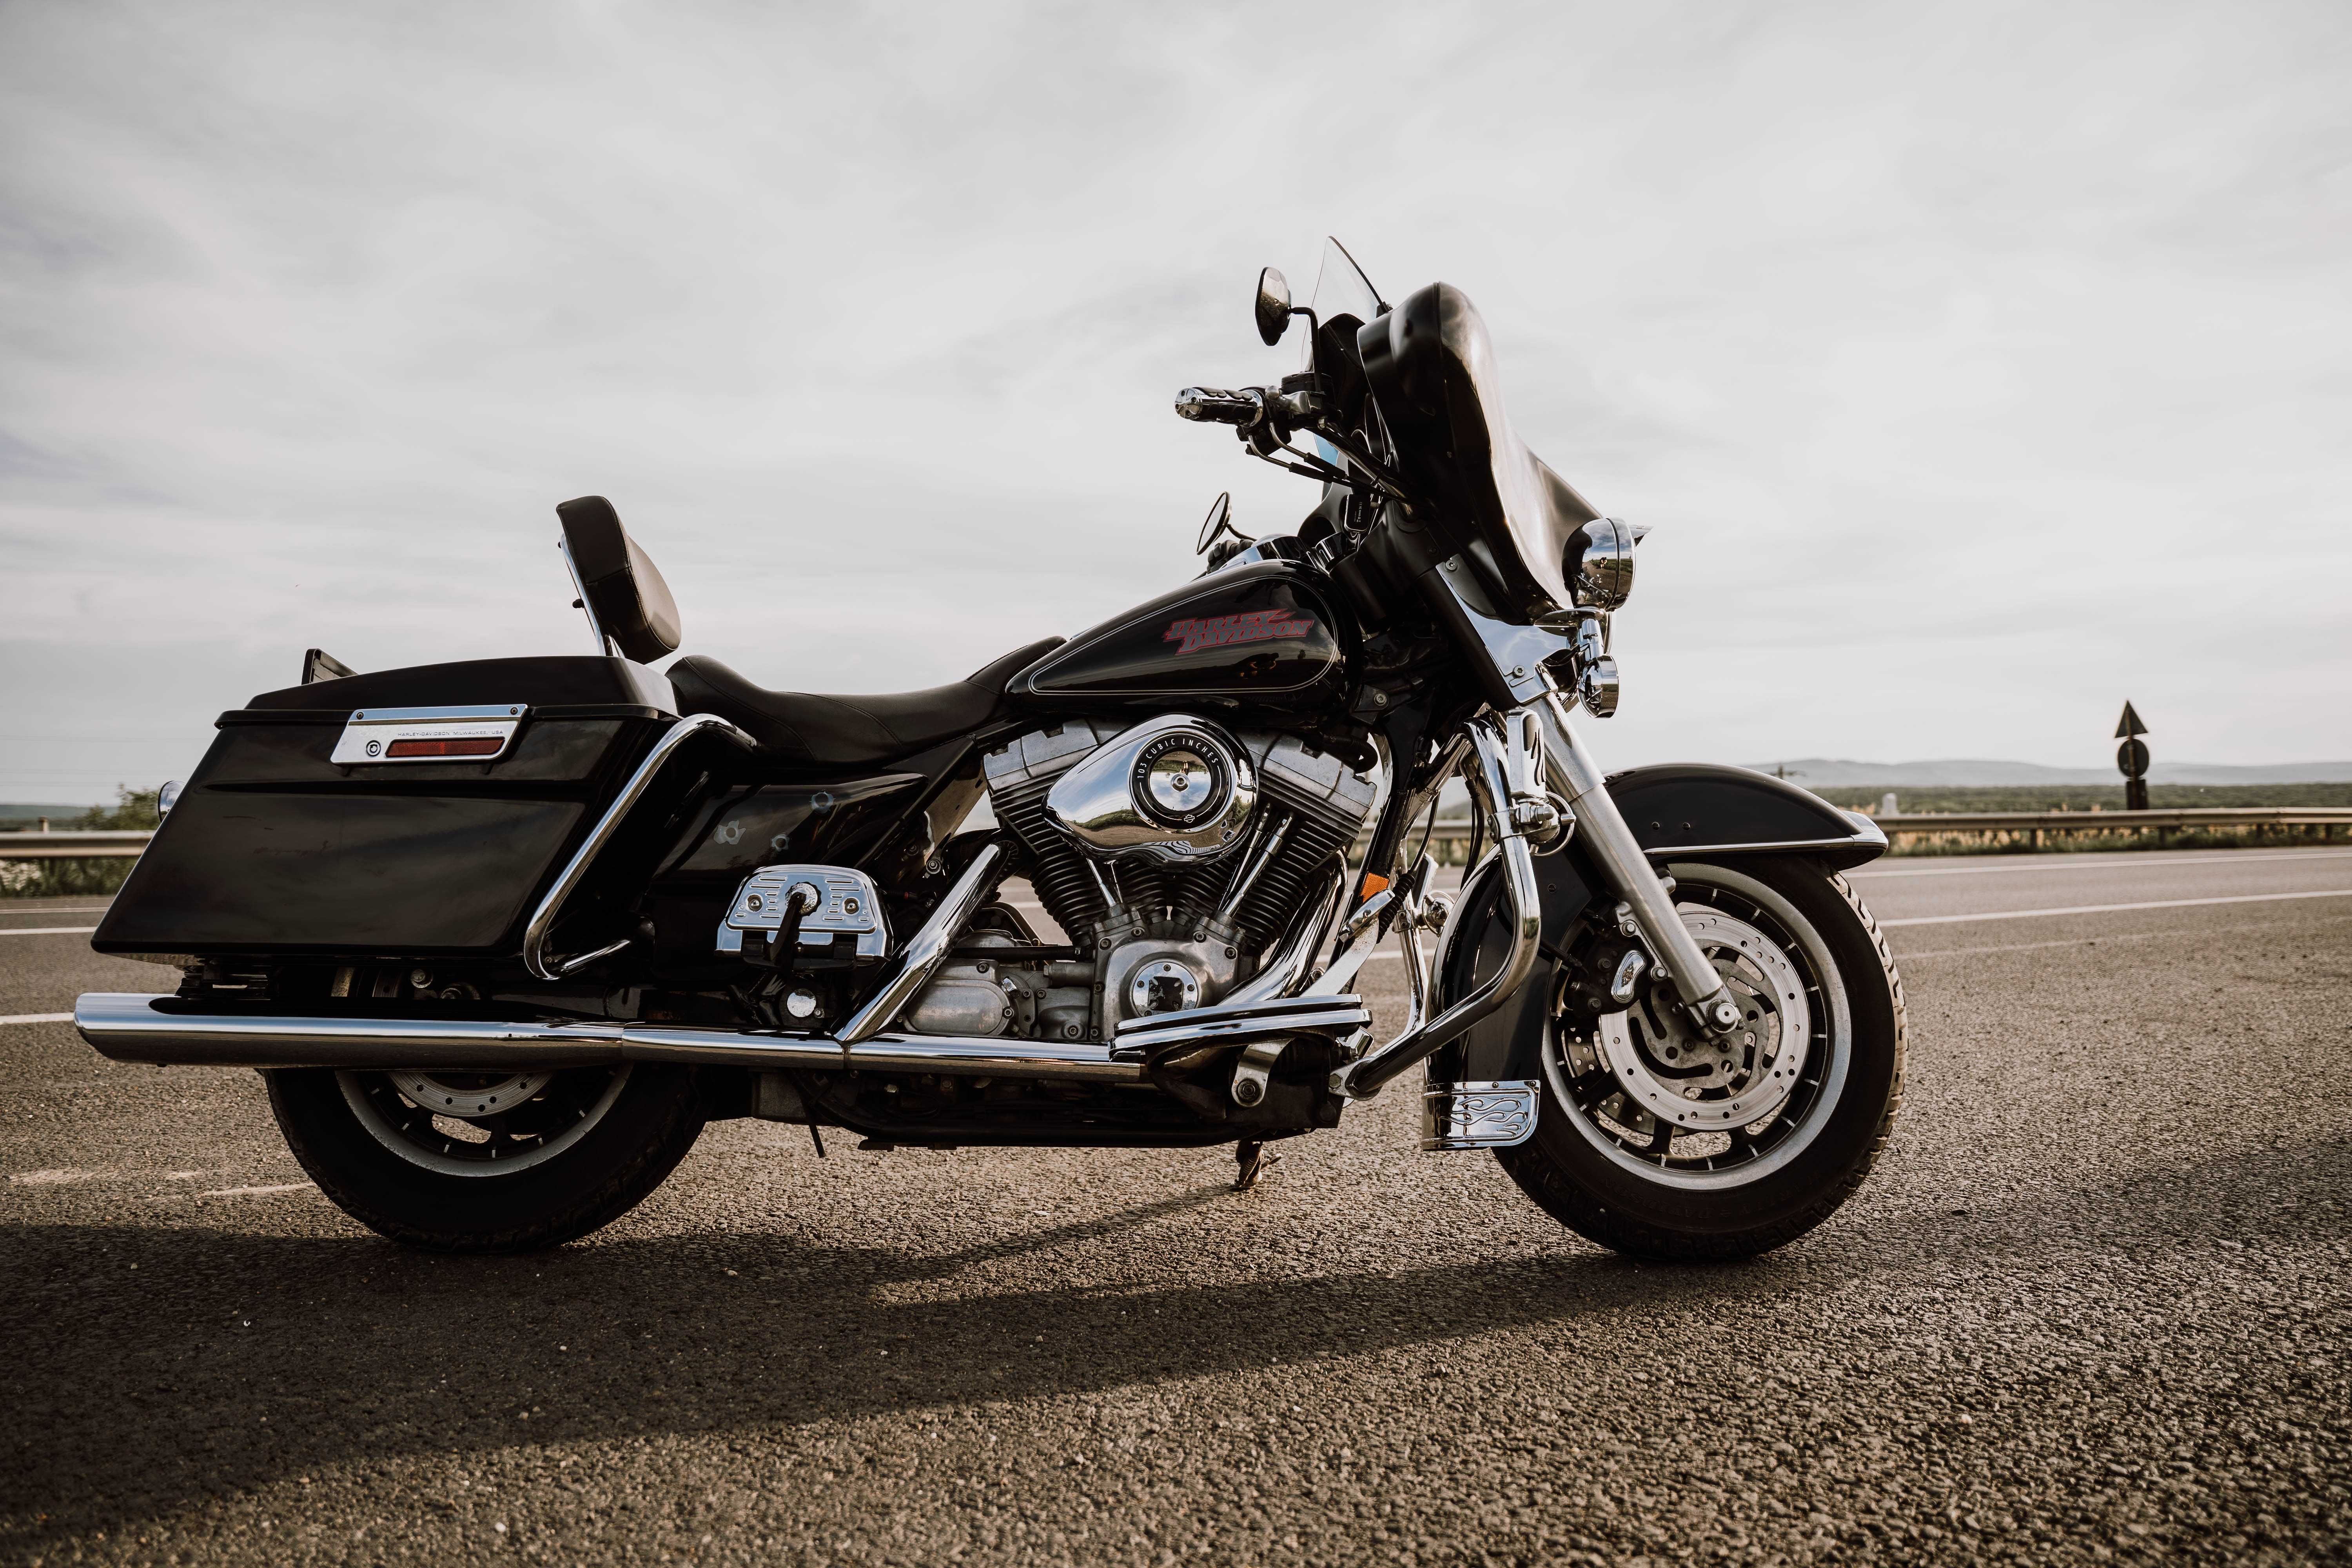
[[1937, 823], [75, 844], [85, 844]]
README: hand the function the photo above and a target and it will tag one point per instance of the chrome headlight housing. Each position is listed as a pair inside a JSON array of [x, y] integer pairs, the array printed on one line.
[[1598, 562]]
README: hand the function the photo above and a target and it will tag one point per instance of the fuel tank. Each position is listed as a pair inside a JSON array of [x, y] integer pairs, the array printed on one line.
[[1258, 637]]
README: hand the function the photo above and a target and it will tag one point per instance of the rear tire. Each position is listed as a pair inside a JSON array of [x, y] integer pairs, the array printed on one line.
[[640, 1128], [1583, 1170]]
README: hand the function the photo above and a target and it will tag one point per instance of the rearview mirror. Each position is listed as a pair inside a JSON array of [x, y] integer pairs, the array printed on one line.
[[1221, 512], [1273, 306]]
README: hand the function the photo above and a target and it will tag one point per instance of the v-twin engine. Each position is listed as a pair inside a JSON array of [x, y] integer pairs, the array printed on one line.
[[1172, 852]]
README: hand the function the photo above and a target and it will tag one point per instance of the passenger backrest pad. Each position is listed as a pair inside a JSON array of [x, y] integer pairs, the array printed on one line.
[[628, 597]]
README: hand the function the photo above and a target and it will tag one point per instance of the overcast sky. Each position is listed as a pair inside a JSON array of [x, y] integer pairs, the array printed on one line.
[[1977, 366]]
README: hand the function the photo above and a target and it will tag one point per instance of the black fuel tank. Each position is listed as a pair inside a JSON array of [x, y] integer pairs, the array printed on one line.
[[1260, 636]]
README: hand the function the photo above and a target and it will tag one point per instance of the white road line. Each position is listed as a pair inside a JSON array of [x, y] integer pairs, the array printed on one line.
[[39, 1018], [2111, 861], [252, 1192], [47, 930], [2109, 909]]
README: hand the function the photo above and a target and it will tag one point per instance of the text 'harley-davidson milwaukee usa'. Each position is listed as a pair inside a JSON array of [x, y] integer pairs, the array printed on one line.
[[504, 934]]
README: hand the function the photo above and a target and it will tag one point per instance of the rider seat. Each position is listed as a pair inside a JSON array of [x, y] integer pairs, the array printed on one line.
[[821, 730]]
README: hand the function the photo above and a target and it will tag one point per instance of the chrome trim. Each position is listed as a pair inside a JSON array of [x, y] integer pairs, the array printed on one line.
[[535, 956], [1137, 1038], [1293, 964], [1101, 804], [1871, 840], [840, 901], [369, 733], [1250, 1074], [129, 1028], [927, 949], [1516, 652], [1497, 1115], [1624, 865], [1347, 958], [580, 601], [1492, 740]]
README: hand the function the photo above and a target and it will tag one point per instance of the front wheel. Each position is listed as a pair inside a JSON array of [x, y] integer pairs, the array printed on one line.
[[1660, 1143], [487, 1161]]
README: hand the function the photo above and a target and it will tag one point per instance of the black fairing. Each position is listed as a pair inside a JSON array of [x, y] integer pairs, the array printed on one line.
[[1673, 808], [1256, 637], [1430, 366]]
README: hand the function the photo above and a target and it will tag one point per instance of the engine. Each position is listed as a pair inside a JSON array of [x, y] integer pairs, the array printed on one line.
[[1172, 852]]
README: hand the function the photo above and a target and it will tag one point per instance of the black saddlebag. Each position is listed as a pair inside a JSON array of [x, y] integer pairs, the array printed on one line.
[[275, 846]]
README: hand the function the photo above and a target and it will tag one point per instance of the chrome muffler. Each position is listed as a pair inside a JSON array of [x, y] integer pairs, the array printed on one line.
[[128, 1027]]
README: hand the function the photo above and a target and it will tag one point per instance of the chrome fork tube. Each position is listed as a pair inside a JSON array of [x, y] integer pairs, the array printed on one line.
[[1572, 774]]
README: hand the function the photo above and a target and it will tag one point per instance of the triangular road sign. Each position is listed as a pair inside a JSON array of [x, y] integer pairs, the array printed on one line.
[[2129, 724]]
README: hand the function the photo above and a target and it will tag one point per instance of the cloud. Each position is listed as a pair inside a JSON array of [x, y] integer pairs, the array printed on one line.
[[1979, 366]]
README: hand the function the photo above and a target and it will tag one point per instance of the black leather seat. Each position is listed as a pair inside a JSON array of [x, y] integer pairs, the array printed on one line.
[[850, 731]]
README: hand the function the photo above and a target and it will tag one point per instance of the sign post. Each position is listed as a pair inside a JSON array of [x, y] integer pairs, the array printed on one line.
[[2131, 757]]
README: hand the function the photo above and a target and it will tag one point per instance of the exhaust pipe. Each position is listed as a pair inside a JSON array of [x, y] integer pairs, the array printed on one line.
[[128, 1027]]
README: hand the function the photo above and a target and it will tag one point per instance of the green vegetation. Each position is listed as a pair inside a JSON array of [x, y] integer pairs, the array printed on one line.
[[132, 808], [2083, 797]]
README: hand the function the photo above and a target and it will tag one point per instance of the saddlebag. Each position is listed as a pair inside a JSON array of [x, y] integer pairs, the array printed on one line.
[[303, 833]]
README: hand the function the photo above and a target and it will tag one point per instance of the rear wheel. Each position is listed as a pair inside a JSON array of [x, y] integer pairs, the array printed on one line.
[[1658, 1142], [487, 1161]]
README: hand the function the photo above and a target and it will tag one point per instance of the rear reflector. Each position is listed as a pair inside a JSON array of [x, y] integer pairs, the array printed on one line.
[[477, 746]]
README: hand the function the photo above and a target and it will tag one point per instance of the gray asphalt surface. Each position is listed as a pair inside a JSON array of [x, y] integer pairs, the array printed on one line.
[[2091, 1308]]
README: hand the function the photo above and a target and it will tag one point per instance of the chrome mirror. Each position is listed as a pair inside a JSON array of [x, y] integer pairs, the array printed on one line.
[[1598, 562], [1273, 306]]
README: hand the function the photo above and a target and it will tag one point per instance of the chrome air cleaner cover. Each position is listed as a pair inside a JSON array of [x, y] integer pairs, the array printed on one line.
[[1176, 789]]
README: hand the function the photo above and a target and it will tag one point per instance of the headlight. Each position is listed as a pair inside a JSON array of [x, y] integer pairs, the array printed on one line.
[[1598, 562]]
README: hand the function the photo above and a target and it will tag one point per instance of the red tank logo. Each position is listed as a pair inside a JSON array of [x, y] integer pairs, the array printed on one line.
[[1222, 631]]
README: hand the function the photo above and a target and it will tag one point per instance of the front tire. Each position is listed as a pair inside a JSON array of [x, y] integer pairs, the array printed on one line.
[[1671, 1188], [432, 1161]]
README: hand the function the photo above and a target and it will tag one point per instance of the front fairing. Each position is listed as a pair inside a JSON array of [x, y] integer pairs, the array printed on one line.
[[1429, 367]]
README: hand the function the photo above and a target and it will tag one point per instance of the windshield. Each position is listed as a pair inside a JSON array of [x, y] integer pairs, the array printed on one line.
[[1342, 288]]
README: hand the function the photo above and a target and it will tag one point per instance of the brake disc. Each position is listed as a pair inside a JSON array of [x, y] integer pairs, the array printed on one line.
[[1674, 1071], [471, 1096]]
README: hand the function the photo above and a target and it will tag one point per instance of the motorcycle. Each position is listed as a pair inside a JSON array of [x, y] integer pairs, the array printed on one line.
[[503, 935]]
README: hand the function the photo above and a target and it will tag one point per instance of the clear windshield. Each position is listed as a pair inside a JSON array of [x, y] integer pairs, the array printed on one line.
[[1342, 288]]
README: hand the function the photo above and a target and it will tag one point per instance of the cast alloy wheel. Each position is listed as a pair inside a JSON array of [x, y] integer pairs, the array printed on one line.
[[461, 1123]]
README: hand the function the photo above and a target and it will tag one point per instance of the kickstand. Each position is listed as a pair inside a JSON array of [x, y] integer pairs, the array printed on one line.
[[1254, 1162], [816, 1138]]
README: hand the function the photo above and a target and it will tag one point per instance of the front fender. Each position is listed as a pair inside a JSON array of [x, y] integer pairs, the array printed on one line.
[[1677, 811], [1706, 808]]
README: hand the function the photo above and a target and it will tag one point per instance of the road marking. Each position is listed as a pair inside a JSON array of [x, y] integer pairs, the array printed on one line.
[[46, 930], [2109, 909], [252, 1192], [2199, 933], [38, 1019], [2116, 860]]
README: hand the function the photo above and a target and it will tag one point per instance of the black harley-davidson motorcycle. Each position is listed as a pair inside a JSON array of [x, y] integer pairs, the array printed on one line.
[[503, 934]]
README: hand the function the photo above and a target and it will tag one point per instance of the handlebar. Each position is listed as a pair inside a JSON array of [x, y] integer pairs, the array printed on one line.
[[1216, 405]]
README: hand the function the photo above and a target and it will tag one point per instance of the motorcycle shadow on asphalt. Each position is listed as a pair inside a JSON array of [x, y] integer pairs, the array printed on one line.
[[228, 1360]]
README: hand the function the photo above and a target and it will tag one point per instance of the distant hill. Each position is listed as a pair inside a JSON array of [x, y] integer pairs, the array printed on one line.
[[1840, 773], [55, 814]]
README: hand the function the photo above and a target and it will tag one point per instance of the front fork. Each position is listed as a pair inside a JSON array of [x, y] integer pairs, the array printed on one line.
[[1535, 785], [1617, 855]]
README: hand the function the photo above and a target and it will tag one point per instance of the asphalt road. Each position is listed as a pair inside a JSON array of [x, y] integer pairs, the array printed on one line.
[[2092, 1306]]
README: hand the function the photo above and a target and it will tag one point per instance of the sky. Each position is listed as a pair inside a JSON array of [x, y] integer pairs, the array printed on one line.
[[1977, 366]]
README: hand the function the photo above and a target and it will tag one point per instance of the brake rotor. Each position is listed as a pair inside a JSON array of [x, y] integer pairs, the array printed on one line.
[[468, 1096], [1679, 1074]]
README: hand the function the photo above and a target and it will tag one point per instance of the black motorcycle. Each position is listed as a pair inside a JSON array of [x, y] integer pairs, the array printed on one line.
[[504, 934]]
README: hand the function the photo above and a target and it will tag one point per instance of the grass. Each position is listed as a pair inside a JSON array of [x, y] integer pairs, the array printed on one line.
[[132, 808]]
